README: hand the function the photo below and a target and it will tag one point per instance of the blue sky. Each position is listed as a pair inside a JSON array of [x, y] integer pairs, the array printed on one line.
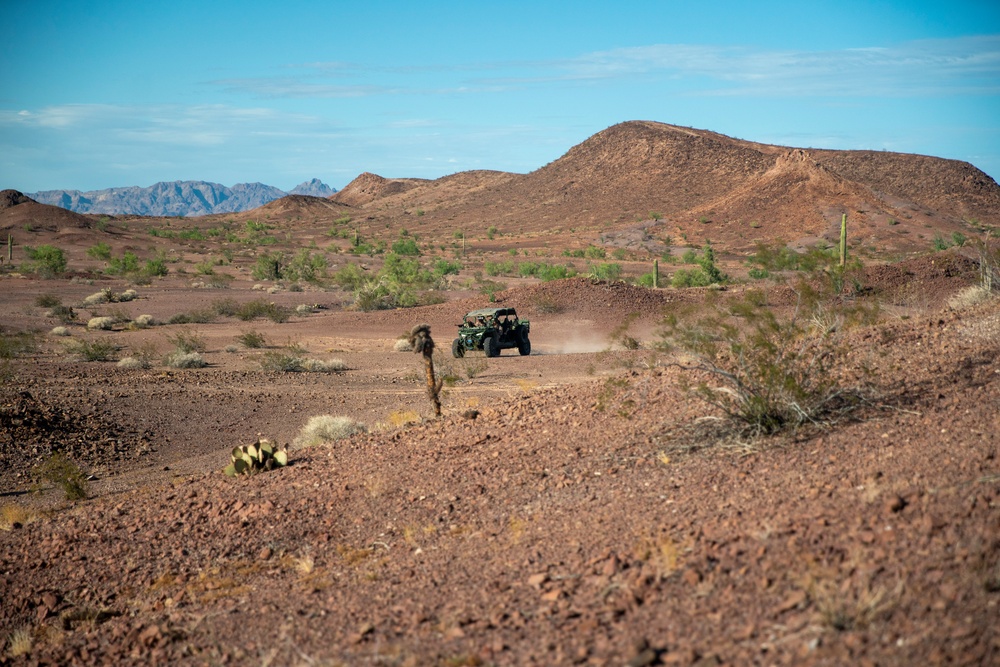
[[107, 94]]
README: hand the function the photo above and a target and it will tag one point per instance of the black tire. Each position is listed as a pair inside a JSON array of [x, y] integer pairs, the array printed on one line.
[[524, 347], [490, 346], [457, 349]]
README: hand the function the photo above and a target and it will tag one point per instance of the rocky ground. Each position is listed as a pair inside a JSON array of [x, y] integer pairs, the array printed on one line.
[[592, 511]]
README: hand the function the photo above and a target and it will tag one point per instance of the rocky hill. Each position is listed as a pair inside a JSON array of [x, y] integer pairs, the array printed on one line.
[[677, 181], [179, 198]]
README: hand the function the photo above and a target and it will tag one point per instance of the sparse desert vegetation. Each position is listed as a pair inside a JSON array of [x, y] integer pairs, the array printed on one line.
[[771, 458]]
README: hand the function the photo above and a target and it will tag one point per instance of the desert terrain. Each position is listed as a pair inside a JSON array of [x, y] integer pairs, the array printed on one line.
[[580, 505]]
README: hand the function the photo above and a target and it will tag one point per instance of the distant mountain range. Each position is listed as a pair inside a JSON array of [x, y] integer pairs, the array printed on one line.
[[179, 198]]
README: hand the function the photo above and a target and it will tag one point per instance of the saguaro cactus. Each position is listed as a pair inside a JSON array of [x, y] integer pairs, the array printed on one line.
[[843, 240], [422, 343]]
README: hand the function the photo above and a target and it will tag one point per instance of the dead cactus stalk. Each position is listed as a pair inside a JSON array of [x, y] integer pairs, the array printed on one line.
[[422, 343]]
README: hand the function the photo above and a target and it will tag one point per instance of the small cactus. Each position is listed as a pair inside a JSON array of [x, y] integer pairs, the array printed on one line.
[[251, 459]]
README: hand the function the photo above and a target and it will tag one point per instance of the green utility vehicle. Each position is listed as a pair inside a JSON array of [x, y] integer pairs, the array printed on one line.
[[492, 330]]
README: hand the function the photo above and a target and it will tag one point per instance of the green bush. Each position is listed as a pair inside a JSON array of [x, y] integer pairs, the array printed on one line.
[[101, 251], [252, 339], [306, 266], [100, 349], [120, 266], [766, 373], [187, 341], [45, 260], [405, 244], [65, 474], [706, 274], [252, 310], [269, 266], [606, 272]]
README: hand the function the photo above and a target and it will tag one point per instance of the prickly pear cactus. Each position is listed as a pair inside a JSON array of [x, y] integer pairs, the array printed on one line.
[[260, 456]]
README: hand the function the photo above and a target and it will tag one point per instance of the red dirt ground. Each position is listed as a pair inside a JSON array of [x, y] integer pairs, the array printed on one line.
[[593, 512], [572, 522]]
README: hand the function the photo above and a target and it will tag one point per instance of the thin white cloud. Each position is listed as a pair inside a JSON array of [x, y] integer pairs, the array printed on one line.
[[966, 65]]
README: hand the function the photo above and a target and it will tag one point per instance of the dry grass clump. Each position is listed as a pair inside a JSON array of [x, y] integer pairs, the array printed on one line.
[[144, 322], [101, 323], [402, 345], [291, 361], [182, 359], [323, 366], [326, 429], [969, 297], [96, 299], [59, 331], [15, 516], [20, 642], [133, 363]]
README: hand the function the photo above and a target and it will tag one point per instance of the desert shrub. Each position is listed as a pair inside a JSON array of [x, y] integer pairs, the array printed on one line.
[[47, 301], [326, 429], [504, 268], [155, 267], [706, 274], [63, 313], [101, 323], [281, 361], [968, 297], [133, 363], [648, 280], [227, 307], [269, 267], [776, 256], [16, 344], [181, 359], [187, 341], [127, 263], [607, 272], [323, 365], [193, 317], [303, 309], [45, 260], [306, 266], [350, 276], [764, 372], [100, 349], [594, 252], [59, 331], [96, 298], [252, 310], [144, 322], [405, 244], [402, 345], [252, 339], [65, 474], [101, 251], [443, 267], [489, 288]]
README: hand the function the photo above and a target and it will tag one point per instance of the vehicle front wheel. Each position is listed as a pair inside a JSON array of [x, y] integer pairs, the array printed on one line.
[[490, 346], [457, 349], [524, 347]]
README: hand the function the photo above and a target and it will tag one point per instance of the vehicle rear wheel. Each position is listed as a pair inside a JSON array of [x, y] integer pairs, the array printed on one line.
[[457, 349], [490, 346], [524, 346]]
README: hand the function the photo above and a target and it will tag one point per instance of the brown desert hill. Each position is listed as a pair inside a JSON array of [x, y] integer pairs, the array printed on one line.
[[297, 207], [18, 211], [704, 185], [368, 187]]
